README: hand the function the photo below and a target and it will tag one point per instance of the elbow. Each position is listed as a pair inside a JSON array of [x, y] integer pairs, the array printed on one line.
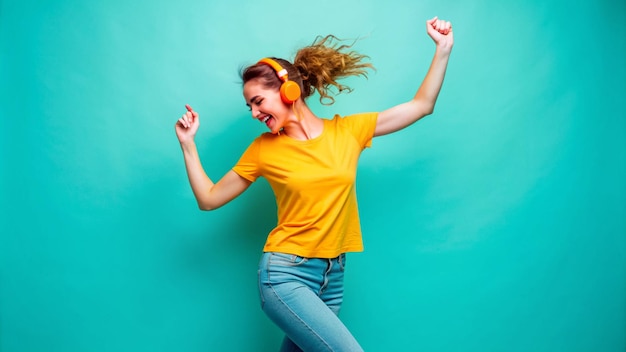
[[423, 107], [206, 201], [206, 206], [428, 108]]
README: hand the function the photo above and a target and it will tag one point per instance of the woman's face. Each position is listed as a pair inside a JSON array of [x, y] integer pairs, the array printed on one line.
[[266, 105]]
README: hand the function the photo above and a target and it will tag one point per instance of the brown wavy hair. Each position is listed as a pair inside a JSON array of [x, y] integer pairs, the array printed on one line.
[[316, 67]]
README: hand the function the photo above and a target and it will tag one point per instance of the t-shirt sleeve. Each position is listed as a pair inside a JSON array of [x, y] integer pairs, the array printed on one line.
[[362, 127], [248, 165]]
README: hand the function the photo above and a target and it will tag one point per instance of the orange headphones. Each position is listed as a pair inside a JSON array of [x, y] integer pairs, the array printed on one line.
[[289, 90]]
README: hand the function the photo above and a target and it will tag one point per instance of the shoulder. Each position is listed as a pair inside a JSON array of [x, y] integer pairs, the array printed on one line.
[[255, 146], [355, 120], [265, 137], [360, 126]]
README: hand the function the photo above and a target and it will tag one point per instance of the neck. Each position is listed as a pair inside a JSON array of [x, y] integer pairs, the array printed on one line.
[[303, 124]]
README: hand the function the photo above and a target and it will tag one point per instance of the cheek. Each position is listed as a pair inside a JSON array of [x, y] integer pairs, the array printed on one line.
[[276, 105], [283, 111]]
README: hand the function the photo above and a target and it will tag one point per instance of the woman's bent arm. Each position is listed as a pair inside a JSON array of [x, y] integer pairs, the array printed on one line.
[[209, 195]]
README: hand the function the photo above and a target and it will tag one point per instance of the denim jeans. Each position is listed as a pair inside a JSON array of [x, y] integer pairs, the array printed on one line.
[[303, 297]]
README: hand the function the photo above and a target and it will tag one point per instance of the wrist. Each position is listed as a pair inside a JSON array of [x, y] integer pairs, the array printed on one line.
[[443, 49], [188, 145]]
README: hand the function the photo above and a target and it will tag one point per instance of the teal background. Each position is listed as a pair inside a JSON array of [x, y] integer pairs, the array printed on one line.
[[496, 224]]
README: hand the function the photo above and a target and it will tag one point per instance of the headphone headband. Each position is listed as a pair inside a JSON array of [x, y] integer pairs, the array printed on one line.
[[280, 71]]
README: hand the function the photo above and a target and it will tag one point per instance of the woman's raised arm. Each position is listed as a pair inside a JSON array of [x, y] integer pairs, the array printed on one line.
[[423, 103]]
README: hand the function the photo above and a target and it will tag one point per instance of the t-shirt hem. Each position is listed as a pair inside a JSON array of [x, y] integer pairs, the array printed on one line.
[[242, 175], [313, 254]]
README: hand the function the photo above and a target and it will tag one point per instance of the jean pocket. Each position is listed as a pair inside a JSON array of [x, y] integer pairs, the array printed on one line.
[[285, 259]]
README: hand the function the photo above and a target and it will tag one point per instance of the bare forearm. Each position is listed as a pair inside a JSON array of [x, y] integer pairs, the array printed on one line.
[[431, 86], [422, 104], [200, 183]]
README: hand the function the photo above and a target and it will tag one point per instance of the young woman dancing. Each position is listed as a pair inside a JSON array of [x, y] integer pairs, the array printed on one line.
[[310, 162]]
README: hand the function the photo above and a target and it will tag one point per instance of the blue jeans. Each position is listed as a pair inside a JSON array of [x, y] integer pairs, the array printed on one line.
[[303, 297]]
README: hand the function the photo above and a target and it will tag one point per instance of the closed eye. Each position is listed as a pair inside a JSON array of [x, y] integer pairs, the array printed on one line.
[[256, 102]]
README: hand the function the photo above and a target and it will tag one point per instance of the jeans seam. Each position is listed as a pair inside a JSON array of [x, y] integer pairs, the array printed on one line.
[[260, 287]]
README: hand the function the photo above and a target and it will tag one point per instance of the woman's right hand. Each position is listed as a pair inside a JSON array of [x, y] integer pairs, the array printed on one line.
[[187, 125]]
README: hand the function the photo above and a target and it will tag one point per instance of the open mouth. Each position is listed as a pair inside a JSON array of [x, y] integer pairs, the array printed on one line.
[[266, 120]]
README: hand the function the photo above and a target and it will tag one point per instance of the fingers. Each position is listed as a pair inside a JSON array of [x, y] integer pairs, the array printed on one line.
[[188, 118], [441, 26], [185, 120], [190, 109]]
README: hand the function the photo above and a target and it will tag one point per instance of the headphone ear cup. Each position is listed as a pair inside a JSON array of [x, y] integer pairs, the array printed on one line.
[[289, 92]]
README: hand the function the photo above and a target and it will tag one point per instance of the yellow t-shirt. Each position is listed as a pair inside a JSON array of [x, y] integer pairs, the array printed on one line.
[[314, 185]]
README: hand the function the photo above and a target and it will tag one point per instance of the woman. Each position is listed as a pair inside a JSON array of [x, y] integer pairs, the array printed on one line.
[[310, 163]]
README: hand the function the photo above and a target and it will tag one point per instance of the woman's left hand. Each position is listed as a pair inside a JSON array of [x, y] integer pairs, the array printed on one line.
[[441, 32]]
